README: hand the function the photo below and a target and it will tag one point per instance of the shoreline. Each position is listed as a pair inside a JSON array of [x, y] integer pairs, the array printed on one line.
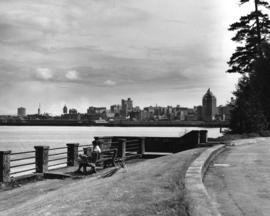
[[120, 124]]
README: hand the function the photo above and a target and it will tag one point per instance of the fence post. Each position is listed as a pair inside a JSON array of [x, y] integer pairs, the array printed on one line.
[[196, 137], [123, 147], [5, 166], [203, 136], [72, 154], [142, 146], [42, 156]]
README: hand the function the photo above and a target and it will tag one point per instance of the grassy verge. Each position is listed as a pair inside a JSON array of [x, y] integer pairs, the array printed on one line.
[[228, 136], [152, 187]]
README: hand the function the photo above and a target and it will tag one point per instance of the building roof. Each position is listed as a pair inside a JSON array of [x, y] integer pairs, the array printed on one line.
[[209, 94]]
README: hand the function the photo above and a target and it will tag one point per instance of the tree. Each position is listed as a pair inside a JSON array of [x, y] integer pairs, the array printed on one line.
[[252, 30], [251, 111], [247, 114], [261, 80]]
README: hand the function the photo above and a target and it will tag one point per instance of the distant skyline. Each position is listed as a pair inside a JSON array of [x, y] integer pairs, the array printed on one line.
[[94, 53], [39, 111]]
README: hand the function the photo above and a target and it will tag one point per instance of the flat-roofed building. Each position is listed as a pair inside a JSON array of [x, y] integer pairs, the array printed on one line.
[[21, 111]]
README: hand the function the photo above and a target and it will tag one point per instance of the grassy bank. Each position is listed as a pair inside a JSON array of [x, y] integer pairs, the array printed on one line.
[[229, 136], [152, 187]]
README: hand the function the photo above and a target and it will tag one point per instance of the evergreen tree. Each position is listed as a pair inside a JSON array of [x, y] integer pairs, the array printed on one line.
[[247, 115], [261, 80], [251, 111], [252, 30]]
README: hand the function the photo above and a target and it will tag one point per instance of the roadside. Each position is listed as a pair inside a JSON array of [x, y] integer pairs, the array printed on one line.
[[239, 179], [152, 187]]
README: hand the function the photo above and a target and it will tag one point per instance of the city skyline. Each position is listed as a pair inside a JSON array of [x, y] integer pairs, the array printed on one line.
[[38, 110], [207, 111], [95, 52], [66, 107]]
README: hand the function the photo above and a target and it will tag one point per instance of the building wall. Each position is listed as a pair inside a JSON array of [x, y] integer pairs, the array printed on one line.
[[209, 106], [21, 111], [127, 106]]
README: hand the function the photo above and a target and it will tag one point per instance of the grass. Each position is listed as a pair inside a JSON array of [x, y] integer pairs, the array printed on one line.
[[152, 187], [230, 137]]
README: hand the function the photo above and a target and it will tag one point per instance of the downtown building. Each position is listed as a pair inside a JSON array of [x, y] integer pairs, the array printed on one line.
[[209, 106], [21, 111], [126, 107]]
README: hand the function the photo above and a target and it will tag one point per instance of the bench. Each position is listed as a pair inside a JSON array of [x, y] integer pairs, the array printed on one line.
[[105, 158]]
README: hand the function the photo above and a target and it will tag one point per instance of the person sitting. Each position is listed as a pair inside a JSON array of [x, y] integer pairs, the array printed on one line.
[[96, 145], [90, 160]]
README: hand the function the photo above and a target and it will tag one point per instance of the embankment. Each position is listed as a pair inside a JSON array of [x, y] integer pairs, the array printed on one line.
[[151, 187]]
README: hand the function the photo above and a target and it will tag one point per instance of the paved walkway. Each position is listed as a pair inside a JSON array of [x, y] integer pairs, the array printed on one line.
[[239, 180]]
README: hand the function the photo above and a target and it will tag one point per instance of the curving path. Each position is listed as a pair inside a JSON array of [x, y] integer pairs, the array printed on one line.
[[239, 179]]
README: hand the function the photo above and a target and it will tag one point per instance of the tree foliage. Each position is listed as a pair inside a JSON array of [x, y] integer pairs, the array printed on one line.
[[251, 31], [251, 112], [247, 114]]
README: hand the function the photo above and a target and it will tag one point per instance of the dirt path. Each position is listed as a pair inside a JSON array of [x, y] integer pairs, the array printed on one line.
[[239, 180], [153, 187]]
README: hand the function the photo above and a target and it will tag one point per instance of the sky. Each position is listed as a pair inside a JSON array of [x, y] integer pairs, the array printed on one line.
[[96, 52]]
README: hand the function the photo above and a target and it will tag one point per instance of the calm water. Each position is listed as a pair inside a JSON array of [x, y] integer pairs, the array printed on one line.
[[23, 138]]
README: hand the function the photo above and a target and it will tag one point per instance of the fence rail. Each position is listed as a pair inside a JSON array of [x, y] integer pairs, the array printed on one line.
[[58, 148], [84, 145], [133, 144], [57, 164], [25, 158], [57, 159], [26, 152], [42, 158], [61, 153], [22, 171], [20, 165], [133, 141]]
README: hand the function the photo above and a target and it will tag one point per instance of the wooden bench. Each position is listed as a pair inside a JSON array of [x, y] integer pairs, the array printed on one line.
[[105, 158]]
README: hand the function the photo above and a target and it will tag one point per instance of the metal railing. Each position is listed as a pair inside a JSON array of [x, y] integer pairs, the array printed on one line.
[[24, 162], [133, 145], [56, 158]]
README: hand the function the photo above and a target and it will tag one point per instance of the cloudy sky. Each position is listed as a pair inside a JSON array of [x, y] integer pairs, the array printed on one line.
[[95, 52]]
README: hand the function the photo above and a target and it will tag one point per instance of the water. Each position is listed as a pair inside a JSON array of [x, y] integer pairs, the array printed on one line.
[[24, 138]]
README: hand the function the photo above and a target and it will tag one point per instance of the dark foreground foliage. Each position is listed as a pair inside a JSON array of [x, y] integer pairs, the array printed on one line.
[[251, 109]]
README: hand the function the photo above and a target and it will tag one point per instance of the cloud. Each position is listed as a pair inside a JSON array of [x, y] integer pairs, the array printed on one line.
[[44, 73], [110, 83], [72, 75], [81, 47]]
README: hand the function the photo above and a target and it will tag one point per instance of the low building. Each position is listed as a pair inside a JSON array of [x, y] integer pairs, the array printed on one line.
[[21, 111], [73, 111]]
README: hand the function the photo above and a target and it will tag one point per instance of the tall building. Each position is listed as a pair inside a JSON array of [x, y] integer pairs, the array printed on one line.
[[209, 106], [21, 111], [115, 108], [127, 106], [38, 109], [199, 112], [65, 109]]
